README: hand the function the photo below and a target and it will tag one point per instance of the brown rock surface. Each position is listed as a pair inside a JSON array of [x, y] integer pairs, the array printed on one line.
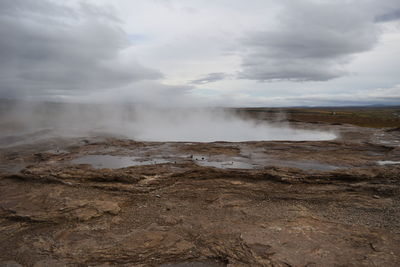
[[54, 213]]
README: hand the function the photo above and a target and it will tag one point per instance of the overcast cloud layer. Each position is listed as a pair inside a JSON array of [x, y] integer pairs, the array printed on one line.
[[176, 52], [47, 48], [310, 43]]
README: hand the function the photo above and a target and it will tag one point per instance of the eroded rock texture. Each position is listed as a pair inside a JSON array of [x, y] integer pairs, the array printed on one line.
[[282, 212]]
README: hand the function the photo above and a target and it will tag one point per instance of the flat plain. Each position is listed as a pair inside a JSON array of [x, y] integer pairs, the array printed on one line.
[[108, 201]]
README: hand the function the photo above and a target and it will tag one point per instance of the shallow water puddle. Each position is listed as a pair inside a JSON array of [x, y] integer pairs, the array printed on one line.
[[388, 162], [14, 168], [228, 164], [115, 162], [260, 163]]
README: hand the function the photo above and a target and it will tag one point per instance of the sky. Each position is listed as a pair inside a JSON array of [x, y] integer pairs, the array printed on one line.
[[202, 52]]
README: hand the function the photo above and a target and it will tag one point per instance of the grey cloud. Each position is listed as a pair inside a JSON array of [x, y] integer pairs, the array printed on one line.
[[385, 11], [146, 92], [46, 48], [210, 78], [313, 42], [390, 16]]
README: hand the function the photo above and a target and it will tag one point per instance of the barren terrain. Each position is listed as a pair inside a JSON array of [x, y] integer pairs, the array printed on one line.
[[106, 201]]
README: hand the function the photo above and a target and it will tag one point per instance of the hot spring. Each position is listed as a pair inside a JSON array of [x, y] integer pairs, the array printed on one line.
[[151, 124]]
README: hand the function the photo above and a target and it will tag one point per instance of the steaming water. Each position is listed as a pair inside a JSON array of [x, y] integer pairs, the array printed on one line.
[[231, 131], [147, 124], [210, 126]]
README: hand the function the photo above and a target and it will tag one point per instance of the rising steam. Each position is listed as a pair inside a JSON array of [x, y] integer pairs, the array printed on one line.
[[146, 124]]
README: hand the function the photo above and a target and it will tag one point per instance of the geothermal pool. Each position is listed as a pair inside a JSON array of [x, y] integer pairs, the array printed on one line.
[[159, 125], [205, 126]]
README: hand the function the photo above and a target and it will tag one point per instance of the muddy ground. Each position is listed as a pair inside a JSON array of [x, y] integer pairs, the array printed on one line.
[[103, 201]]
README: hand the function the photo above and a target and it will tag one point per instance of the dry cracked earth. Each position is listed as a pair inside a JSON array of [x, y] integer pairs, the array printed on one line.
[[103, 201]]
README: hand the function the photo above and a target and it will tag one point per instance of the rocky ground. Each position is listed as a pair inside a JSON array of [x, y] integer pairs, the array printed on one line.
[[326, 203]]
